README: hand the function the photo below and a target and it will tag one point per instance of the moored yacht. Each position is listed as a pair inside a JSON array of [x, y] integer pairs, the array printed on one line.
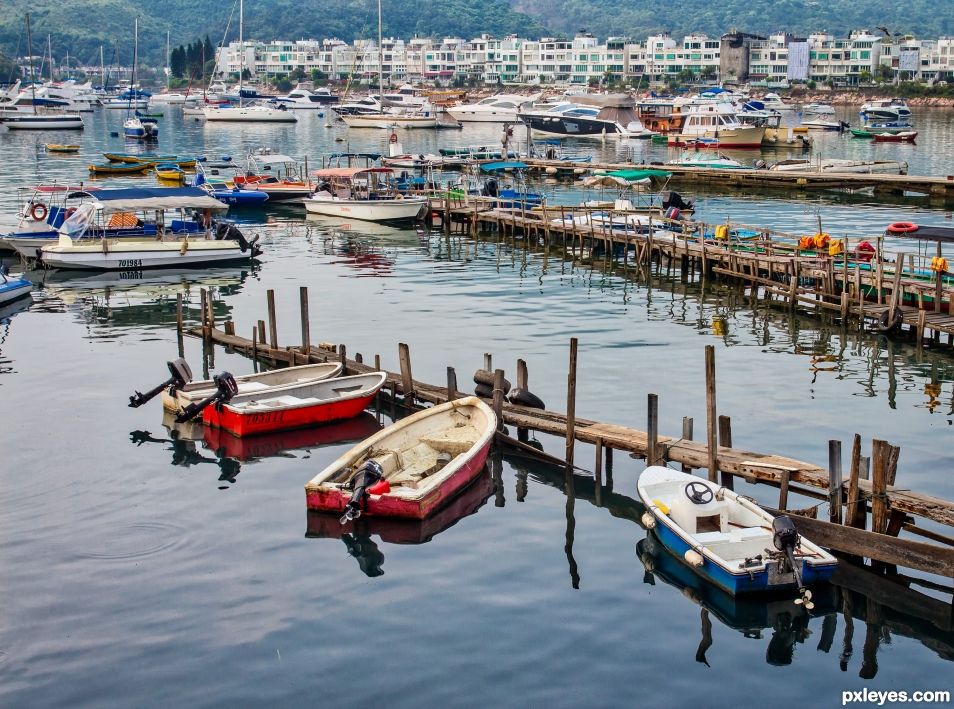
[[716, 125], [609, 115], [302, 98], [501, 108], [885, 109]]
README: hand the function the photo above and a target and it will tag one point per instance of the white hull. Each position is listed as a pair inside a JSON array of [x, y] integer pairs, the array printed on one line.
[[251, 114], [858, 167], [169, 98], [137, 255], [471, 116], [44, 122], [368, 210], [127, 105], [386, 121]]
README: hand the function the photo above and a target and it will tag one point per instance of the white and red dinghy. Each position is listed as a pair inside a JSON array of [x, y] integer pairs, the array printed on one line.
[[287, 407], [410, 468]]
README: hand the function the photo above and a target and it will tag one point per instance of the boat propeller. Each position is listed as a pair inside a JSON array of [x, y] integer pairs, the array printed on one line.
[[785, 538], [367, 475], [225, 388], [181, 375]]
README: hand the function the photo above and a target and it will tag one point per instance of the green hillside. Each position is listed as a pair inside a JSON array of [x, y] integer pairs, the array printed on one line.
[[81, 26]]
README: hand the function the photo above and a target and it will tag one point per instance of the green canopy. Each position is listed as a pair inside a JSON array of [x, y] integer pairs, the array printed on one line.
[[634, 175]]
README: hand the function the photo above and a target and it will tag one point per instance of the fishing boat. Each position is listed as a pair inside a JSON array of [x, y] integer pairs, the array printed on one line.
[[726, 538], [170, 172], [124, 169], [13, 287], [276, 175], [904, 137], [179, 391], [288, 407], [230, 194], [359, 193], [411, 468], [60, 148]]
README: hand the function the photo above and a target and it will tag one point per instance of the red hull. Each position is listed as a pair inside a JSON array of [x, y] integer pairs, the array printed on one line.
[[388, 505], [250, 424], [352, 430]]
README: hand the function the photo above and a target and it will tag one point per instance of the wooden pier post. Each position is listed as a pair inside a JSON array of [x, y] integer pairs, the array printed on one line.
[[210, 304], [261, 333], [598, 472], [305, 324], [852, 513], [711, 417], [834, 482], [407, 381], [919, 332], [880, 454], [652, 430], [254, 346], [571, 402], [343, 358], [498, 397], [686, 436], [725, 440], [203, 314], [272, 323], [522, 382], [179, 325], [451, 384]]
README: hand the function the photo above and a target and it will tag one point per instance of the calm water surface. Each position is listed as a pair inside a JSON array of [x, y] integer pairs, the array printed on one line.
[[141, 570]]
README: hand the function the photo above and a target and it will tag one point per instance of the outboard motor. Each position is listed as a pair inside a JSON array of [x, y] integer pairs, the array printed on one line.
[[368, 475], [225, 388], [180, 375], [785, 538], [490, 188], [674, 199]]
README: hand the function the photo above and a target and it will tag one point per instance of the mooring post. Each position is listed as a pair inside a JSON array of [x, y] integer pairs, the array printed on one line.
[[686, 436], [498, 396], [272, 324], [203, 313], [179, 325], [488, 362], [343, 358], [451, 384], [210, 304], [523, 377], [652, 430], [407, 381], [305, 324], [879, 486], [852, 513], [711, 418], [377, 363], [598, 472], [571, 402], [785, 474], [834, 482], [725, 440], [254, 345]]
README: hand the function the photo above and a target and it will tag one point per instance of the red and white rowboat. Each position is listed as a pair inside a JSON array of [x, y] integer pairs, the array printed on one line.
[[295, 406], [904, 137], [252, 383], [425, 460]]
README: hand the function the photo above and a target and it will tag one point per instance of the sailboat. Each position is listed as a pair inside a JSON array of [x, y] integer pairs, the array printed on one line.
[[167, 96], [134, 127], [422, 119], [246, 113], [49, 119]]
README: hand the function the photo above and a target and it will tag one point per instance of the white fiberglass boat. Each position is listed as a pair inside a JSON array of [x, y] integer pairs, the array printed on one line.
[[248, 114], [359, 193], [501, 108]]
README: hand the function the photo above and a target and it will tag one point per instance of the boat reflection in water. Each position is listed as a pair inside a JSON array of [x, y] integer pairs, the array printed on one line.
[[356, 534], [7, 312], [189, 441], [748, 614]]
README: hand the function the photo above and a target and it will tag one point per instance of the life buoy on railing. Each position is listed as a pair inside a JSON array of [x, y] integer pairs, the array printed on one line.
[[901, 228], [38, 212], [393, 138]]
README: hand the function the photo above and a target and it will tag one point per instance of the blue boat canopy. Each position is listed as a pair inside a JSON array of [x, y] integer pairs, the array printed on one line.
[[131, 199], [504, 165]]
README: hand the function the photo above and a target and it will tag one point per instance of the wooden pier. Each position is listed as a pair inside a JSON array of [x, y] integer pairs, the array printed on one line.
[[941, 187], [868, 486]]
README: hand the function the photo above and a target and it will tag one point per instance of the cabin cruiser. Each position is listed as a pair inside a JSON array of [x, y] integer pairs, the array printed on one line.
[[501, 108], [302, 98], [609, 115], [818, 109], [841, 166], [249, 113], [886, 109], [774, 102], [691, 158], [170, 98], [405, 97], [129, 100], [368, 104], [716, 122]]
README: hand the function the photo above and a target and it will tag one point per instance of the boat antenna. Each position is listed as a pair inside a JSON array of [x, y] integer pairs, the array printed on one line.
[[380, 60]]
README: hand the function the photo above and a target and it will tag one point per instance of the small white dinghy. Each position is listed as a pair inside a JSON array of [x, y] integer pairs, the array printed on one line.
[[13, 287], [728, 539]]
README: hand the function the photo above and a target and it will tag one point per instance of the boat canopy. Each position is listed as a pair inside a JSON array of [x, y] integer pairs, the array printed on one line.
[[636, 175], [348, 173], [132, 199], [504, 165], [944, 234], [273, 159]]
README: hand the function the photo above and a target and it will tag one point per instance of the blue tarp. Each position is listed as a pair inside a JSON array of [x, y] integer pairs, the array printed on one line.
[[506, 165]]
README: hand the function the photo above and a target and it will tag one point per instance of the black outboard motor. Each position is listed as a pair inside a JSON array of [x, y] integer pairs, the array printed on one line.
[[674, 199], [225, 388], [785, 538], [181, 374], [490, 188], [367, 475]]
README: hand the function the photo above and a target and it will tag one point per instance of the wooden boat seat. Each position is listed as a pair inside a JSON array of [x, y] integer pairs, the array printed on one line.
[[276, 402], [453, 440], [245, 387]]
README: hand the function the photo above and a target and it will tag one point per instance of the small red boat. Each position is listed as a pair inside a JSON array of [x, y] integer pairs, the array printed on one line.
[[904, 137], [411, 468], [292, 407]]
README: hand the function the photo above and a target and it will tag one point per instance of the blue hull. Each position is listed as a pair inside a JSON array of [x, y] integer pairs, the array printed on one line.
[[241, 198], [744, 582]]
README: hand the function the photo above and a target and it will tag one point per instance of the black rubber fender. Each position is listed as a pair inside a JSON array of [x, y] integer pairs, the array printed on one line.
[[484, 391], [523, 397], [482, 376], [889, 323]]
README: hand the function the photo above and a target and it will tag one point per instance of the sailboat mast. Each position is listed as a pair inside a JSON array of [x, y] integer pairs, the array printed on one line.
[[102, 70], [132, 78], [380, 60], [241, 47], [168, 71], [30, 57], [49, 49]]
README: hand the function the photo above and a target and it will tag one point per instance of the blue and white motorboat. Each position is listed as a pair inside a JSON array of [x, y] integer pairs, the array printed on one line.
[[137, 128], [893, 109], [728, 539], [231, 195], [13, 287]]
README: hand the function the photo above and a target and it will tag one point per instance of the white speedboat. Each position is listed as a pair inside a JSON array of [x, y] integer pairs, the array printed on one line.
[[13, 287], [892, 109], [594, 116], [501, 108], [774, 102], [254, 113], [391, 120], [47, 119], [359, 193], [863, 167], [818, 109], [169, 98], [823, 124], [712, 160], [131, 255]]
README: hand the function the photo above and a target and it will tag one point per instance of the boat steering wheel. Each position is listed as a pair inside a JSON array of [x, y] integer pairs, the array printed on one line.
[[699, 493]]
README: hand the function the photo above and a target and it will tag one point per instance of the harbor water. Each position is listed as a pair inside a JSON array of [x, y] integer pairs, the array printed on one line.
[[140, 569]]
